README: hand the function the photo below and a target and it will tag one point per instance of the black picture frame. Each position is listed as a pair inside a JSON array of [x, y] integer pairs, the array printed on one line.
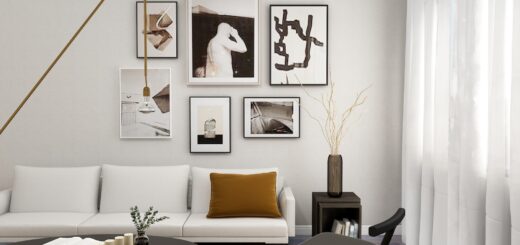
[[295, 135], [137, 36], [271, 20], [191, 126]]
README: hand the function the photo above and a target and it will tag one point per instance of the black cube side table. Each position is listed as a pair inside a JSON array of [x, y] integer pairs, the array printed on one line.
[[326, 209]]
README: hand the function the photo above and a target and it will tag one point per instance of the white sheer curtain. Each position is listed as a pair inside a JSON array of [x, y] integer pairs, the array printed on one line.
[[515, 130], [458, 123]]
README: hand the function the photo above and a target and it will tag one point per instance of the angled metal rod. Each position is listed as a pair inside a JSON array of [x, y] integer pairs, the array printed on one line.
[[85, 22]]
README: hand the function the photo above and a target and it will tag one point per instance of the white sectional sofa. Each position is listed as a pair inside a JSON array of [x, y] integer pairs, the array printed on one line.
[[50, 202]]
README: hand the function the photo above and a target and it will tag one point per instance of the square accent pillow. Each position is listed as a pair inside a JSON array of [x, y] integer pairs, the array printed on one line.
[[201, 184], [243, 195]]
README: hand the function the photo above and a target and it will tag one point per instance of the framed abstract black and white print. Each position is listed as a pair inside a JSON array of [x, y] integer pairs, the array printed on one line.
[[222, 42], [271, 117], [299, 44], [162, 29], [210, 124]]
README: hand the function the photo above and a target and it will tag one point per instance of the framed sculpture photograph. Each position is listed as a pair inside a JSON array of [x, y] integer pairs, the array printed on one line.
[[162, 29], [210, 124], [271, 117], [223, 42], [299, 44], [145, 117]]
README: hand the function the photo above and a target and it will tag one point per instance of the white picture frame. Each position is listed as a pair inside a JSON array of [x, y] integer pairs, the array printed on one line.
[[210, 124], [205, 19], [135, 124], [271, 117]]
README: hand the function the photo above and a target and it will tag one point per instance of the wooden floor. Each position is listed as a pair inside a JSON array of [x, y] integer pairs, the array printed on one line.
[[396, 240]]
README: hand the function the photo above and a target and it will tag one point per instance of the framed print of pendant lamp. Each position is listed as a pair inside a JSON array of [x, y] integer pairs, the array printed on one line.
[[145, 107]]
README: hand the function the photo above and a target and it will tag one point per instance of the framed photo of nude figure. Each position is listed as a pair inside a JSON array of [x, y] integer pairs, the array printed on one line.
[[299, 44], [162, 29], [222, 42]]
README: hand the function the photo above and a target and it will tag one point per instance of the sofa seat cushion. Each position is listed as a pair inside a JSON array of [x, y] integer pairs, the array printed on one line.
[[120, 223], [41, 224], [198, 225]]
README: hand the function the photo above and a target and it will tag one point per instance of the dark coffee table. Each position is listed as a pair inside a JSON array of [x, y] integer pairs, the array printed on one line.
[[154, 240]]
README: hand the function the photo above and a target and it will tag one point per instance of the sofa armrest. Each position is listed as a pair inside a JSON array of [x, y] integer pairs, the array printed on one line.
[[288, 208], [5, 200]]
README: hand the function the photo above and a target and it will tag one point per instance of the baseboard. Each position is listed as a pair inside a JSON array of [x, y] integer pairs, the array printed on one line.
[[303, 230], [306, 230]]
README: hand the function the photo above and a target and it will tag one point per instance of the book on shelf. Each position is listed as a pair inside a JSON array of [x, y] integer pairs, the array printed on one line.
[[348, 226], [337, 227], [355, 231], [345, 227]]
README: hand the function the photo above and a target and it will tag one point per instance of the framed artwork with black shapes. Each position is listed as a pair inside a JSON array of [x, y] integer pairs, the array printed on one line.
[[299, 45]]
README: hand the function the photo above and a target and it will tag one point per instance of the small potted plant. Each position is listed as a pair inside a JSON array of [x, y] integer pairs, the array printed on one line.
[[142, 224]]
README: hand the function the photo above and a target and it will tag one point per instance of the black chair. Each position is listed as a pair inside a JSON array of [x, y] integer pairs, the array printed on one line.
[[387, 227]]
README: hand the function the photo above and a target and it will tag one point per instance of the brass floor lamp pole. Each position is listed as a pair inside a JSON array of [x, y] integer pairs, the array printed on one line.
[[85, 22]]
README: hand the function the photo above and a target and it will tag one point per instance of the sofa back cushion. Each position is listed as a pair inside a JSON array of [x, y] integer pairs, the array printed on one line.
[[201, 184], [37, 189], [165, 188]]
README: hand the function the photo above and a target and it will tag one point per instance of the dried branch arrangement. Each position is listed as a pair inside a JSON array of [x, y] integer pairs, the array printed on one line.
[[334, 124]]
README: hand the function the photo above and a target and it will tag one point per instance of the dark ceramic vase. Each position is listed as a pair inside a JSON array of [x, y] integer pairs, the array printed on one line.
[[141, 239], [335, 176]]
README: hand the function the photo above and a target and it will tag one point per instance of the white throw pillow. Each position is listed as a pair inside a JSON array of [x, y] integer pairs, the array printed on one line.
[[163, 187], [37, 189], [201, 184]]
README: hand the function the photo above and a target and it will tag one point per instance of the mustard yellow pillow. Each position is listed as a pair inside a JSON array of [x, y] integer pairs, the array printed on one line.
[[243, 195]]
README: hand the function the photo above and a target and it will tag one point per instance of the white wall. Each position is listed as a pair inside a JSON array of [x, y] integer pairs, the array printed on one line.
[[72, 120]]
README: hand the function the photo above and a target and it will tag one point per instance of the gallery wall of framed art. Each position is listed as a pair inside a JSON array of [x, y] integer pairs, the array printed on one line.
[[162, 29], [223, 49], [223, 42]]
